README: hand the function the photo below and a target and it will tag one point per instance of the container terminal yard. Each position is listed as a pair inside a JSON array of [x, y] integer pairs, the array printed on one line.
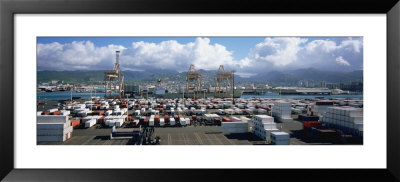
[[192, 118], [200, 122]]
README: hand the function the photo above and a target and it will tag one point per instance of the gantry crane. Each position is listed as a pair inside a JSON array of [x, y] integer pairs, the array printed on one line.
[[223, 79], [115, 78], [193, 76]]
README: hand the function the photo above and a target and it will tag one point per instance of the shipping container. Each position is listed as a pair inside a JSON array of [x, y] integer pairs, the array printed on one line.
[[166, 118], [162, 122], [75, 122], [309, 124], [101, 120], [90, 123], [172, 121], [56, 113], [225, 119], [187, 121], [146, 121], [98, 112]]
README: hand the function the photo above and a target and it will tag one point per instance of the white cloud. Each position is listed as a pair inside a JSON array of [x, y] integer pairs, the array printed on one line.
[[294, 53], [173, 55], [75, 56], [141, 55], [342, 61], [276, 53]]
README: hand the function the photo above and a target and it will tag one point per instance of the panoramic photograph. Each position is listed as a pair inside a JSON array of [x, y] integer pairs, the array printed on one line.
[[199, 91]]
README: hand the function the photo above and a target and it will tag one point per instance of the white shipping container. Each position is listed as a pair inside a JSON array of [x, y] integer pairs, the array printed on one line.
[[151, 121], [162, 122], [108, 113], [90, 123], [244, 119], [136, 121], [119, 122], [49, 126], [104, 107], [182, 121], [280, 135], [358, 119], [65, 112], [269, 125], [52, 110], [172, 121], [137, 112], [54, 132], [51, 119]]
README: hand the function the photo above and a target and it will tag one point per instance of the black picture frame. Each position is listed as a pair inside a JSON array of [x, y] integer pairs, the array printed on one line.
[[8, 8]]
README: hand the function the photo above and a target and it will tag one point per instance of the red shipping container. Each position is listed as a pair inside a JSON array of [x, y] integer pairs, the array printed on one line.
[[75, 123], [101, 120], [131, 118], [98, 112], [166, 118], [309, 124], [55, 113], [46, 113], [225, 119]]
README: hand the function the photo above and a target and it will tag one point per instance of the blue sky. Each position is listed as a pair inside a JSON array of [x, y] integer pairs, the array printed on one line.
[[245, 54]]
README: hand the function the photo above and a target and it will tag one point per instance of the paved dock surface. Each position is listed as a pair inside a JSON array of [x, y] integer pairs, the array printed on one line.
[[189, 135], [203, 135]]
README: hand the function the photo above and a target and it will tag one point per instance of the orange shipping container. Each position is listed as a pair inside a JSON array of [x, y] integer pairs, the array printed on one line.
[[225, 119], [56, 113], [98, 112], [166, 118], [75, 123]]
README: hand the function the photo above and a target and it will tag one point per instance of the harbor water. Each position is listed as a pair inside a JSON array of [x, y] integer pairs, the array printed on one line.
[[66, 95], [276, 95]]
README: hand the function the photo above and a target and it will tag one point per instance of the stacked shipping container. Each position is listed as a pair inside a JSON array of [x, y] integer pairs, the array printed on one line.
[[53, 128]]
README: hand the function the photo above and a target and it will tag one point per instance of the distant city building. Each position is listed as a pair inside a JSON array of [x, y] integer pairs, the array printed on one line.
[[323, 84], [130, 88]]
